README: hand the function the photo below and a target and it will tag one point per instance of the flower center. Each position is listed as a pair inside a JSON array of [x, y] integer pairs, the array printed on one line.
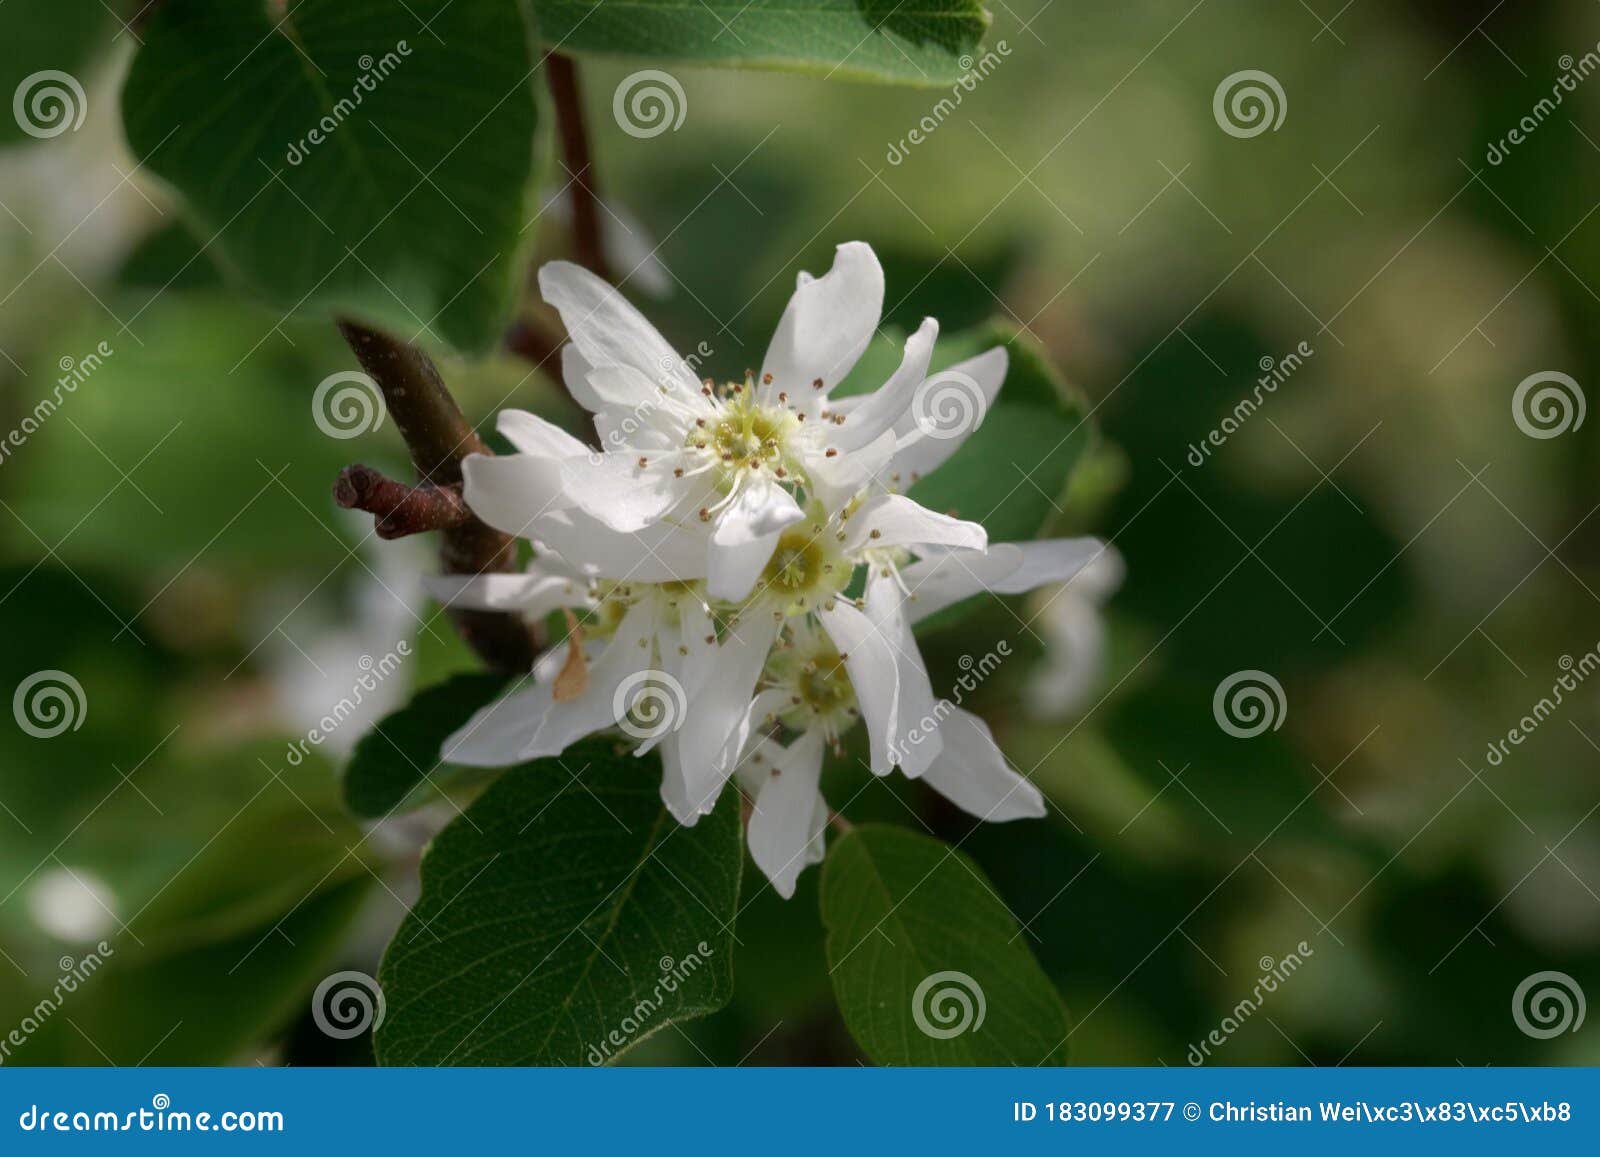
[[745, 437], [812, 674], [805, 570]]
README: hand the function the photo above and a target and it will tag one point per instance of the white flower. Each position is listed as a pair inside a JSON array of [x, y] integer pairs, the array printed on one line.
[[845, 663], [1075, 635], [720, 471]]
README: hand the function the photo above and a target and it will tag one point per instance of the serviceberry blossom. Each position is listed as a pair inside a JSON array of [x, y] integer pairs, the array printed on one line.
[[748, 548]]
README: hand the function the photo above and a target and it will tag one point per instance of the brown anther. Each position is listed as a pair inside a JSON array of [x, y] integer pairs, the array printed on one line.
[[710, 639], [783, 397], [876, 534], [831, 453], [701, 422], [766, 379], [816, 383], [643, 462], [705, 514], [677, 471], [780, 471]]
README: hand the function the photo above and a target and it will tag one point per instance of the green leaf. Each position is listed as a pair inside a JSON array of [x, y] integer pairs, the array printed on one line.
[[928, 965], [401, 753], [909, 41], [55, 36], [344, 158], [563, 918]]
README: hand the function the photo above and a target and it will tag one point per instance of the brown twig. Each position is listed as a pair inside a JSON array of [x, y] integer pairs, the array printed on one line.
[[401, 510], [438, 437], [562, 75], [529, 339]]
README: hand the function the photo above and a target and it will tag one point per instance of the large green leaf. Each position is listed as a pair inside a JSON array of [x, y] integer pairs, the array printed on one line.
[[909, 41], [401, 753], [344, 158], [928, 965], [565, 917]]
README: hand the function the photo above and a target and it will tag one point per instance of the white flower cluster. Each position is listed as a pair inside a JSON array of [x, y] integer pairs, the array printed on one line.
[[711, 546]]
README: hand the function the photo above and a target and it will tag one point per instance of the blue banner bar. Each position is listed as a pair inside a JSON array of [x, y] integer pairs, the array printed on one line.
[[800, 1111]]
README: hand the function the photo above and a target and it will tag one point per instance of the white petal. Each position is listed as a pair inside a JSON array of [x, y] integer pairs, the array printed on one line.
[[746, 533], [900, 521], [974, 775], [497, 735], [1009, 568], [531, 434], [661, 552], [575, 371], [887, 406], [827, 325], [874, 675], [922, 454], [621, 493], [605, 328], [535, 594], [512, 491], [708, 741], [782, 832], [837, 480], [915, 736]]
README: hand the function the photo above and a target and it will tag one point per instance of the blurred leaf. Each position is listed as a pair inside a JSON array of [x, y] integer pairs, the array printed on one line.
[[564, 917], [169, 258], [208, 1005], [401, 752], [879, 40], [925, 959], [40, 36], [408, 209]]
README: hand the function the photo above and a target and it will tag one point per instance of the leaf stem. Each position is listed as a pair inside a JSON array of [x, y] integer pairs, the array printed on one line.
[[438, 437], [561, 73]]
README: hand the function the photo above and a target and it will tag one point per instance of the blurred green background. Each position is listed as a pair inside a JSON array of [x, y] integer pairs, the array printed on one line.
[[1380, 536]]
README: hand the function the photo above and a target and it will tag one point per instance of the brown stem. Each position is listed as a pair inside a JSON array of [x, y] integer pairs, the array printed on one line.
[[529, 339], [438, 437], [401, 510], [562, 75]]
